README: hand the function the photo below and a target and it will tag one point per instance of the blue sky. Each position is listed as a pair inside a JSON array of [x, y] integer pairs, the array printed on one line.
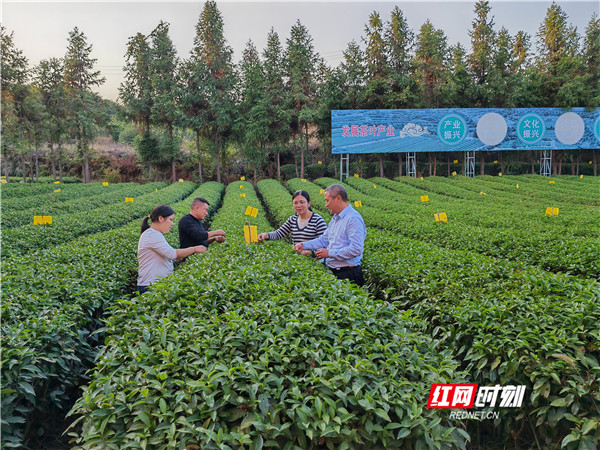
[[41, 28]]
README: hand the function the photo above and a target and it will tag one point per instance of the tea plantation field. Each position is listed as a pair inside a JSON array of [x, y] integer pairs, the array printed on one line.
[[253, 346]]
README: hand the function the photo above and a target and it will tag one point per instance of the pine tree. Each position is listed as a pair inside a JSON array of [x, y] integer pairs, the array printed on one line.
[[400, 42], [83, 104], [50, 82], [558, 62], [301, 64], [278, 111], [219, 81], [164, 110], [15, 75], [591, 55], [253, 122], [431, 69], [376, 91], [483, 39]]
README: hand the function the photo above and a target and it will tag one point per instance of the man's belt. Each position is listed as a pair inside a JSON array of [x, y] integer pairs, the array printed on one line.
[[344, 269]]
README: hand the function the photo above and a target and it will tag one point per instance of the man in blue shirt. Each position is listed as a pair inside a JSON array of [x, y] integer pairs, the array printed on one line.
[[343, 243]]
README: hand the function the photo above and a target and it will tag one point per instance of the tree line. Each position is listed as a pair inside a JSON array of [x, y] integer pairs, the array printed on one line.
[[278, 101]]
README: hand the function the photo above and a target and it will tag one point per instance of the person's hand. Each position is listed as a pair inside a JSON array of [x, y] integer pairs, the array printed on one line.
[[200, 249], [306, 252], [299, 247], [219, 232], [322, 253], [263, 237], [219, 239]]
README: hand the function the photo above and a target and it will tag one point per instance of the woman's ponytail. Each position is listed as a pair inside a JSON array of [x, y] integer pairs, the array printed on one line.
[[145, 224]]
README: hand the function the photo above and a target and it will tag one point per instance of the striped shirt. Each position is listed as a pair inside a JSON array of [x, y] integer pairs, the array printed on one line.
[[315, 227]]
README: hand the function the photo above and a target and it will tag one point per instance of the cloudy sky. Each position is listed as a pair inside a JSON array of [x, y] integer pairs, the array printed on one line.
[[41, 29]]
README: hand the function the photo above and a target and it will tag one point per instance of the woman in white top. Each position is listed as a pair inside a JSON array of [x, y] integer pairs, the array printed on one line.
[[155, 255]]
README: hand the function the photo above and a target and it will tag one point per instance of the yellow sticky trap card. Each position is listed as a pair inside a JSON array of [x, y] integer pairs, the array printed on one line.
[[358, 204], [57, 182], [56, 190], [250, 211], [242, 178], [424, 198], [453, 174], [42, 220], [128, 199], [250, 234], [303, 180], [482, 193], [241, 186], [551, 182], [441, 217], [319, 162], [456, 161], [243, 195], [105, 183], [355, 175]]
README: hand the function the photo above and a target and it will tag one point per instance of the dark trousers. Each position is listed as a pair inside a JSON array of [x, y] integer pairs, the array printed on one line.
[[142, 289], [353, 274]]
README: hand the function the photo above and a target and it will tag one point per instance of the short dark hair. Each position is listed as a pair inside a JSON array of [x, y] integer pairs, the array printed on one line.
[[199, 200], [158, 211], [337, 189]]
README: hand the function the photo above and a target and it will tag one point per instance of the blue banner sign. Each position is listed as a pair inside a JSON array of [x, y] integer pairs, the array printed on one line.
[[467, 129]]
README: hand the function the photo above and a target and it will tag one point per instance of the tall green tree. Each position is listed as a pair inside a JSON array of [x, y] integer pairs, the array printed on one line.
[[480, 59], [400, 42], [137, 95], [50, 82], [558, 62], [459, 83], [352, 76], [591, 55], [219, 83], [83, 104], [164, 109], [301, 63], [278, 112], [501, 79], [15, 75], [431, 66], [194, 103], [253, 122], [376, 62]]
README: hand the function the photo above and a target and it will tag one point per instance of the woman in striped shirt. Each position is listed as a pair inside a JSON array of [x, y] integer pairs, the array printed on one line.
[[305, 225]]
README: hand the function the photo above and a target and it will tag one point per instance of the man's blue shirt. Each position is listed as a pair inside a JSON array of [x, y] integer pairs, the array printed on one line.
[[344, 238]]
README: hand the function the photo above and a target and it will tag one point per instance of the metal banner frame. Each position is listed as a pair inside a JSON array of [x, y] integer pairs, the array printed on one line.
[[469, 169], [342, 159], [546, 163], [411, 164]]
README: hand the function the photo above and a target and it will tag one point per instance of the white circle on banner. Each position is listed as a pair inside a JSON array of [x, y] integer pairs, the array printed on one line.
[[491, 128], [569, 128]]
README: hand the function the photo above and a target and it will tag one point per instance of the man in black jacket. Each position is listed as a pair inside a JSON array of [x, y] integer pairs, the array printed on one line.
[[191, 228]]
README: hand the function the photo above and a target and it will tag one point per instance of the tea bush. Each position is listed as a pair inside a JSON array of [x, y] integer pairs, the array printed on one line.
[[20, 240], [47, 322], [253, 345], [54, 206]]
